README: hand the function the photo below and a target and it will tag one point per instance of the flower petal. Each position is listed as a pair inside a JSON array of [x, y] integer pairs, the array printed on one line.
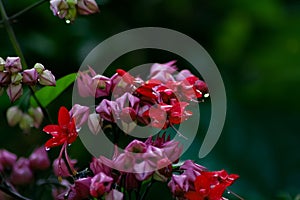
[[63, 117], [52, 129]]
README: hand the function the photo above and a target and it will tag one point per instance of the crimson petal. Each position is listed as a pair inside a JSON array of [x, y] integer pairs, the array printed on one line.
[[63, 117], [52, 129]]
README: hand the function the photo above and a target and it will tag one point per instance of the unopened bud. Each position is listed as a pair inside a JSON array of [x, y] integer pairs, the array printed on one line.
[[39, 159], [21, 173], [14, 92], [30, 76], [47, 78], [16, 78], [87, 7], [2, 64], [14, 115], [26, 123], [39, 68], [13, 64], [37, 115], [4, 78]]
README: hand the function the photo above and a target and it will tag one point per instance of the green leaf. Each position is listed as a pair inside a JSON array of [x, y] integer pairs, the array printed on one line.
[[49, 93]]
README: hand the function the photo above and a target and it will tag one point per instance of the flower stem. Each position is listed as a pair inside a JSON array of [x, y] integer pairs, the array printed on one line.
[[4, 187], [26, 9], [11, 35]]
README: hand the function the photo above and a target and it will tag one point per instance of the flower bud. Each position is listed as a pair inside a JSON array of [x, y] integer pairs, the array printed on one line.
[[60, 168], [26, 123], [39, 159], [30, 76], [4, 78], [39, 68], [13, 64], [7, 159], [2, 64], [14, 92], [82, 186], [21, 173], [37, 115], [14, 115], [94, 123], [80, 113], [16, 78], [47, 78], [59, 8], [87, 7]]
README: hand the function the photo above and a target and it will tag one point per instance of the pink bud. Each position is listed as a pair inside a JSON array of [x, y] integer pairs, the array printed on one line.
[[80, 113], [14, 115], [60, 168], [100, 184], [39, 159], [82, 187], [94, 123], [114, 195], [178, 185], [21, 173], [37, 115], [14, 92], [47, 78], [7, 159], [13, 64], [136, 146], [107, 110], [4, 78], [87, 7], [30, 76]]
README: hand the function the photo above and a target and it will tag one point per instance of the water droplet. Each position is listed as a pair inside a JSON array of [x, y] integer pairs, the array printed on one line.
[[206, 95], [68, 21], [47, 148], [228, 192]]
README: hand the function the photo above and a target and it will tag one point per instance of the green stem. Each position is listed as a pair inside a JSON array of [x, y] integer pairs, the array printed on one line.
[[11, 35], [26, 9]]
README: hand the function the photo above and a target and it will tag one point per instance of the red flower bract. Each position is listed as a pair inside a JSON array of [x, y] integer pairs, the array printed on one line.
[[64, 132], [211, 185]]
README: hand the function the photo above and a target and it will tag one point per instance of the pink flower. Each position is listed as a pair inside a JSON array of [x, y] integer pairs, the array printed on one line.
[[39, 159], [98, 165], [114, 195], [5, 78], [163, 72], [80, 114], [103, 85], [21, 172], [85, 83], [107, 110], [59, 8], [172, 149], [82, 187], [179, 185], [100, 184]]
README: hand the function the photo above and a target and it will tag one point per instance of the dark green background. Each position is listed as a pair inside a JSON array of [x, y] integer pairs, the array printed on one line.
[[255, 44]]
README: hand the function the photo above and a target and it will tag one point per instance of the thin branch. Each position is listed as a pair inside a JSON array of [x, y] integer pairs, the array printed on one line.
[[12, 35], [26, 9]]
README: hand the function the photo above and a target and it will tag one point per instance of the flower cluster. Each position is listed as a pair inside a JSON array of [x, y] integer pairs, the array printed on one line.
[[13, 78], [160, 102], [32, 118], [21, 171], [68, 9]]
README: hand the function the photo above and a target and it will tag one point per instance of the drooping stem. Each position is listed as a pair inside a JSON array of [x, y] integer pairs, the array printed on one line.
[[4, 187], [11, 35], [26, 9]]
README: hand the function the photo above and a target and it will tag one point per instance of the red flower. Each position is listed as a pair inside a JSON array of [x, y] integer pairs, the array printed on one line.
[[64, 132], [211, 185]]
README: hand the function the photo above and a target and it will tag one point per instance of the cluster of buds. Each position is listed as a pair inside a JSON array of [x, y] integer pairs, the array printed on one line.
[[68, 9], [21, 170], [26, 120], [12, 77]]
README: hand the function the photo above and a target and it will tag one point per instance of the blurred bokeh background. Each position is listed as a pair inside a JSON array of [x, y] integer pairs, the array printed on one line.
[[256, 46]]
